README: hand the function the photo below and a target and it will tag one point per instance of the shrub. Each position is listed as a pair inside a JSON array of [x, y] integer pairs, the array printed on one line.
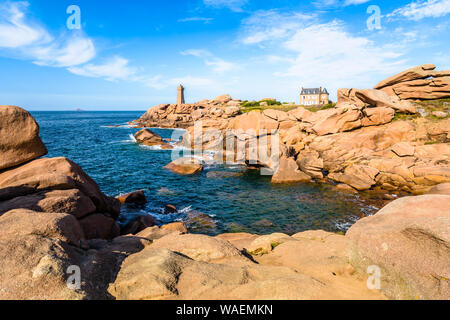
[[250, 104]]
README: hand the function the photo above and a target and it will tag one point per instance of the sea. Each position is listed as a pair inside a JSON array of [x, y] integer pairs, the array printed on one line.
[[221, 199]]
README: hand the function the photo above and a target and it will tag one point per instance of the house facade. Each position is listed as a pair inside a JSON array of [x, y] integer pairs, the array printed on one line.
[[314, 96]]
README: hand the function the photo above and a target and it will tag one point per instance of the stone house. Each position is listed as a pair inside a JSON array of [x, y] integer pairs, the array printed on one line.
[[314, 96]]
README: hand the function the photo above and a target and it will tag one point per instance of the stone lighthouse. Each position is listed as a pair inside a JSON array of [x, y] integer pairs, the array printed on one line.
[[180, 98]]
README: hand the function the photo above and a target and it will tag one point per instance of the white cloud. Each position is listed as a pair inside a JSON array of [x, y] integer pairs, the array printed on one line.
[[328, 53], [355, 2], [193, 19], [218, 65], [14, 31], [191, 81], [322, 54], [199, 53], [155, 82], [337, 3], [272, 25], [159, 82], [74, 51], [25, 39], [114, 69], [234, 5], [423, 9]]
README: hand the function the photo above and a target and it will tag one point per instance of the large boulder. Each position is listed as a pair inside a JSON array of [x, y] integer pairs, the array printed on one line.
[[20, 140], [277, 115], [223, 99], [72, 202], [100, 226], [150, 274], [54, 174], [137, 224], [136, 197], [288, 172], [409, 240], [420, 72], [254, 123], [200, 247], [377, 116], [160, 273], [443, 188], [360, 177], [310, 162], [148, 138], [336, 120], [371, 98], [40, 251], [185, 166], [422, 82], [22, 222], [427, 89], [299, 114], [35, 251]]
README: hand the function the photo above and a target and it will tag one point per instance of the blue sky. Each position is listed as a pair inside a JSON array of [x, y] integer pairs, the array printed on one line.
[[131, 55]]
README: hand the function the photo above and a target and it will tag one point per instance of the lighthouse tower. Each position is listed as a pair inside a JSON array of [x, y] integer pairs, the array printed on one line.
[[180, 98]]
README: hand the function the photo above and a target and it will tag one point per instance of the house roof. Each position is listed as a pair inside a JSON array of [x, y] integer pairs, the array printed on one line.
[[313, 91]]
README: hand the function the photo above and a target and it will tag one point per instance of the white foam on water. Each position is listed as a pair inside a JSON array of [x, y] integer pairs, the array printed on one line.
[[185, 210], [345, 225], [132, 138], [122, 126]]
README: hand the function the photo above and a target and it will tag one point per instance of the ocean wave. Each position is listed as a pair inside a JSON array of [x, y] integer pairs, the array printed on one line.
[[345, 225]]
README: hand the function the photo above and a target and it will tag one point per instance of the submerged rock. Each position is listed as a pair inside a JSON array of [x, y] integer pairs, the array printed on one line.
[[168, 209], [185, 166], [200, 221], [136, 197], [179, 227], [138, 223]]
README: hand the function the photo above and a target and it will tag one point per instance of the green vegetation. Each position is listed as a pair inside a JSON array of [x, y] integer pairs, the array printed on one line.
[[427, 107], [274, 244], [430, 106], [258, 103], [436, 105], [404, 116], [320, 107], [247, 106]]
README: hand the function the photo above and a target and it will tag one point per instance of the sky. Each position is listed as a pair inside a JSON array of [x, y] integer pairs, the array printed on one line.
[[131, 55]]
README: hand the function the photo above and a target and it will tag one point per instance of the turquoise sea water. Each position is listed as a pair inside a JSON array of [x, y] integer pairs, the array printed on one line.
[[220, 199]]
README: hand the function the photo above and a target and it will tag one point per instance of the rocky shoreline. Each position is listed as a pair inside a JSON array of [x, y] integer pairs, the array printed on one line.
[[55, 221], [372, 139]]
